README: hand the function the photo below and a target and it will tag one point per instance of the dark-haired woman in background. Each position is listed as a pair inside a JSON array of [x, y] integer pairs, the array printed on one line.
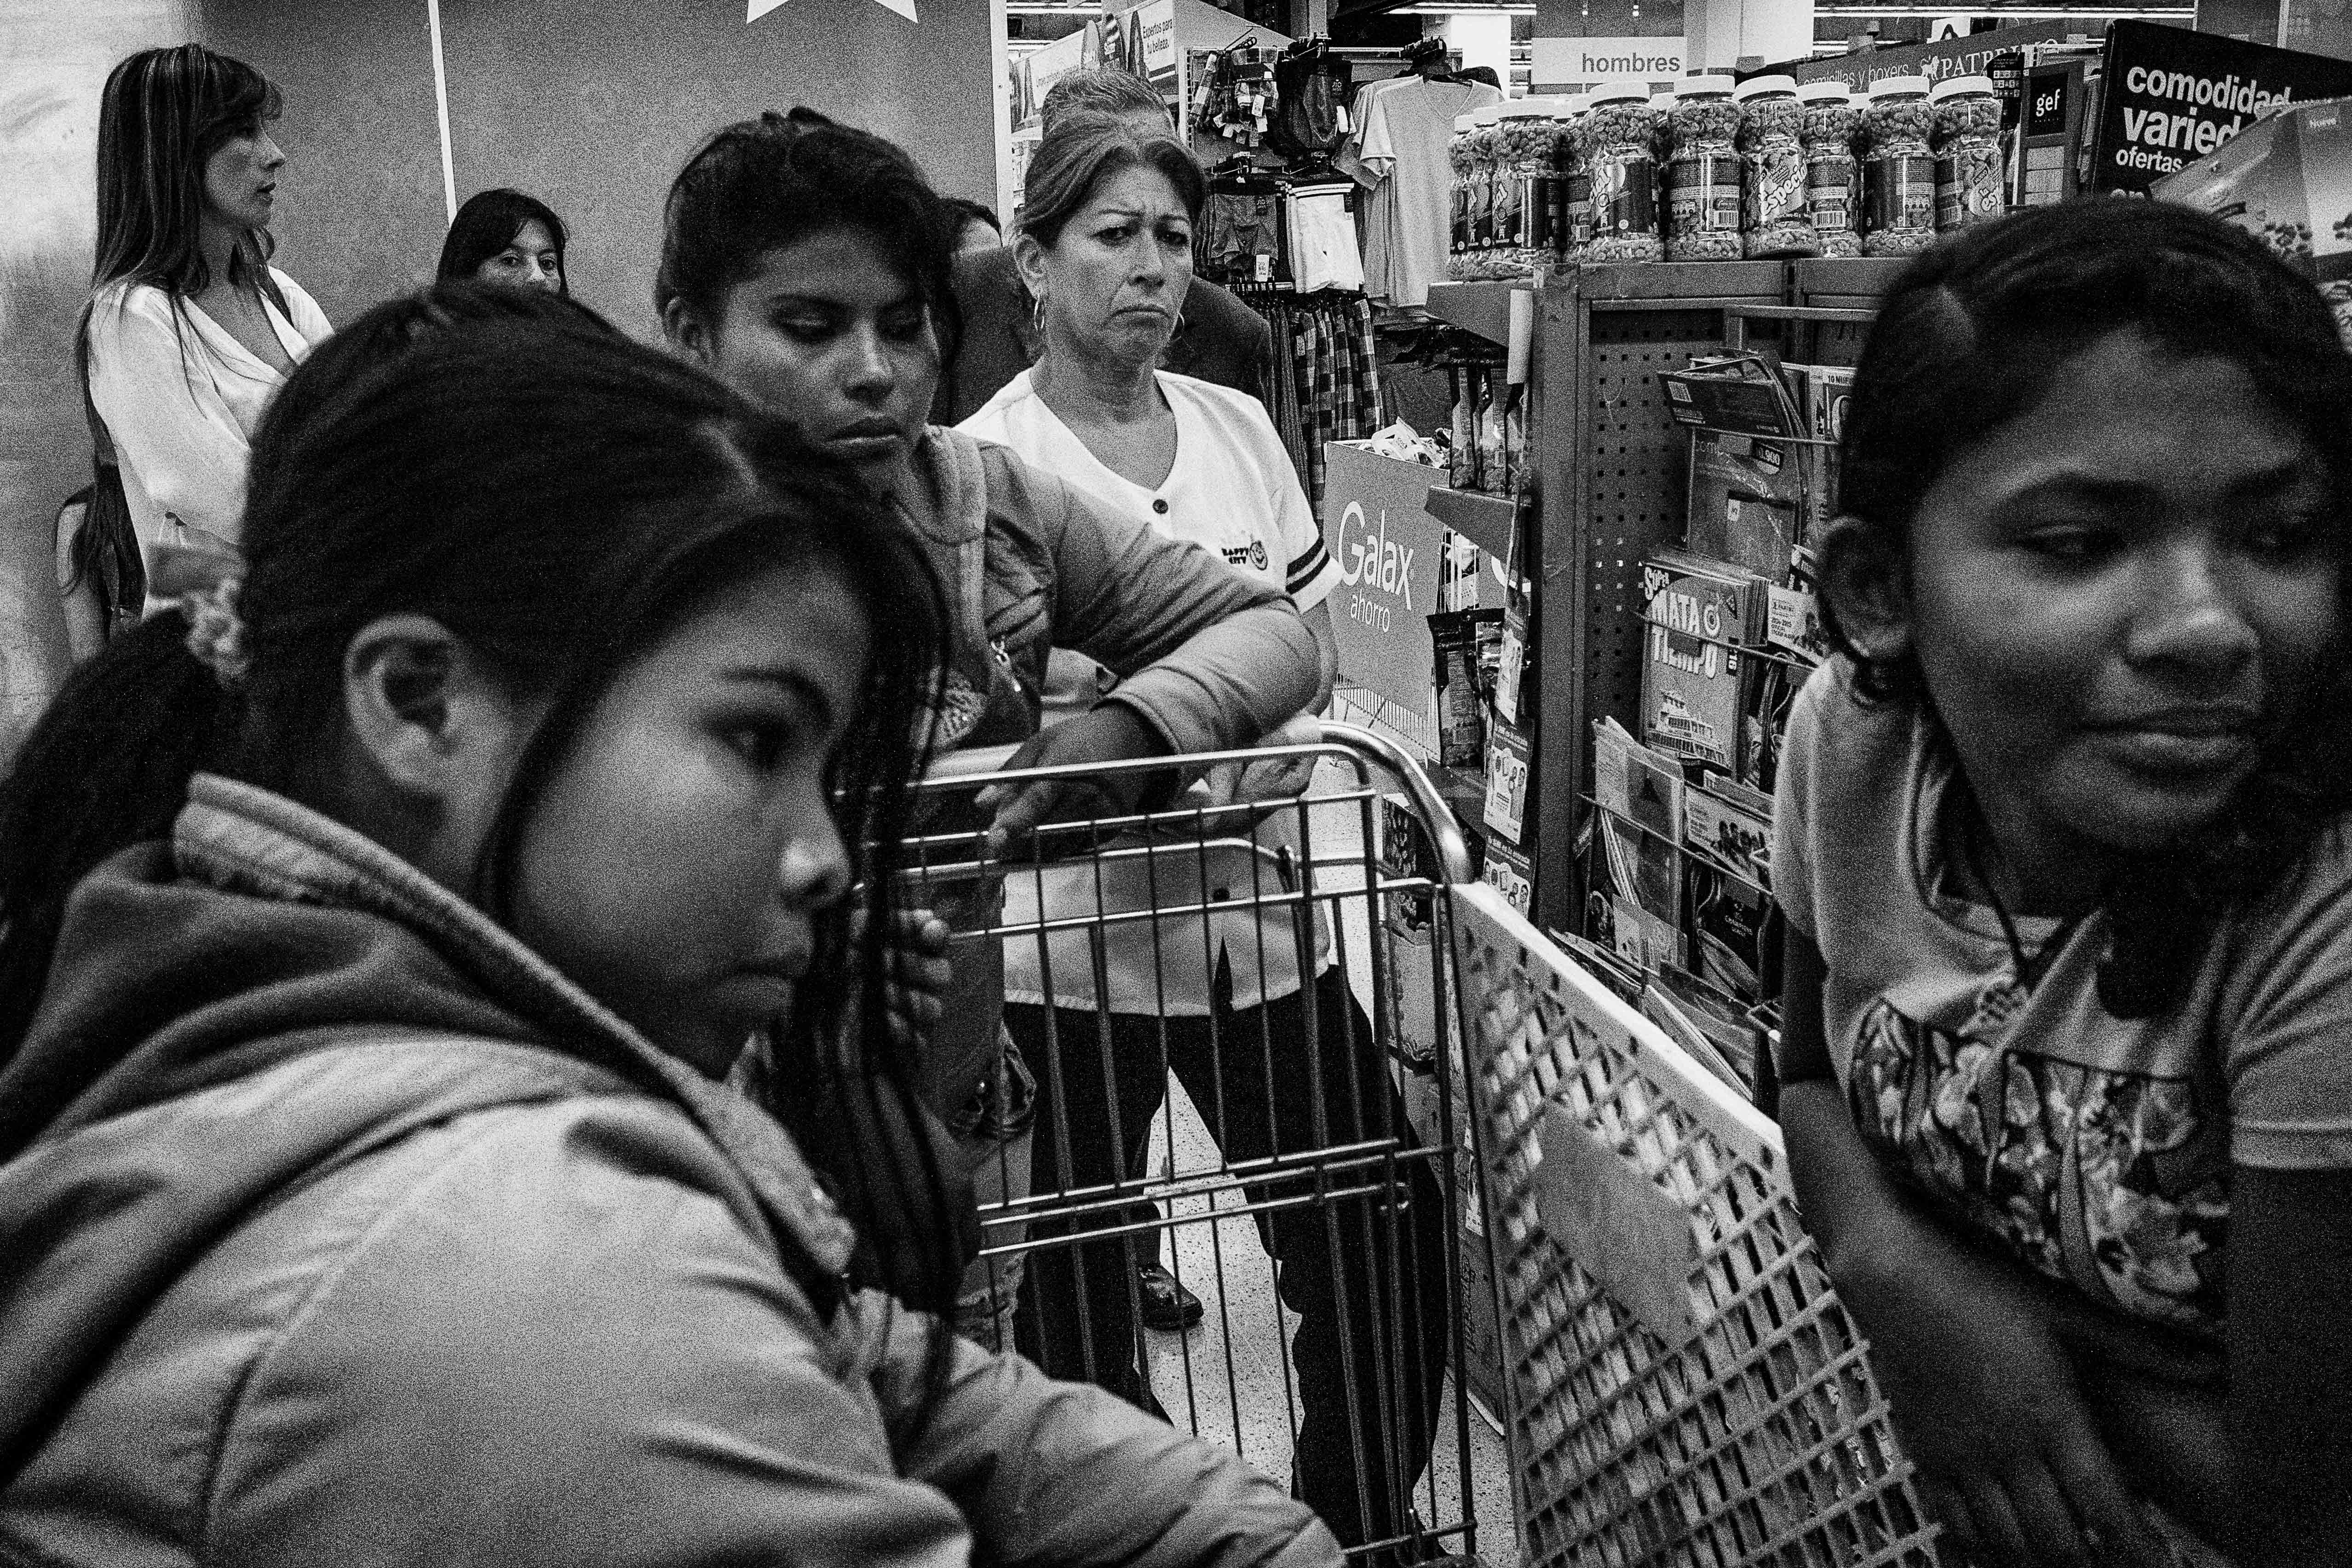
[[189, 328], [1256, 1019], [505, 236], [809, 264], [378, 939], [2062, 843]]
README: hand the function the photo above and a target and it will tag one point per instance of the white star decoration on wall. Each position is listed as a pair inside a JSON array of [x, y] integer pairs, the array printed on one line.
[[759, 8]]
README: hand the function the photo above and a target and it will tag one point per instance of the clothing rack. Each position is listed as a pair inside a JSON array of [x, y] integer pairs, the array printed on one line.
[[1325, 382]]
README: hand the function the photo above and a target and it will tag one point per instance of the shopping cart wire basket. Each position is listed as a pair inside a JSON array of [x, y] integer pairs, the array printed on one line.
[[1282, 958], [1683, 1387]]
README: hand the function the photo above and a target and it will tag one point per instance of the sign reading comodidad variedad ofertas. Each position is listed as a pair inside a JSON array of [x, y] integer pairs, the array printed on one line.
[[2171, 96], [1581, 62]]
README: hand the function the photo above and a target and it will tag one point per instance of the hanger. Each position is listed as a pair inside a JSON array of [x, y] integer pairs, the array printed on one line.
[[1431, 60]]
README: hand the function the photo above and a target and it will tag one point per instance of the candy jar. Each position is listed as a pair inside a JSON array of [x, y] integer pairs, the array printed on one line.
[[1898, 170], [1771, 139], [1703, 181], [1615, 141], [1832, 176], [1969, 188]]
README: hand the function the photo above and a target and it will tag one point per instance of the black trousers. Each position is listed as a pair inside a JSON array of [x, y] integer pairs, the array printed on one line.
[[1365, 1274]]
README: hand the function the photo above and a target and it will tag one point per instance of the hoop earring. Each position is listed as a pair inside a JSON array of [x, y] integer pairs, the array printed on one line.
[[1037, 316], [1180, 327]]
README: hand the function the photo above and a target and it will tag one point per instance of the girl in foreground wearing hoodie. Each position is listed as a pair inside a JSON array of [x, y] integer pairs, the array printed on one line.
[[810, 265], [379, 936]]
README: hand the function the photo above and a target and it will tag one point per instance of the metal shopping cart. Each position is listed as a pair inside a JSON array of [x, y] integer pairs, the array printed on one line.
[[1683, 1387], [1285, 963]]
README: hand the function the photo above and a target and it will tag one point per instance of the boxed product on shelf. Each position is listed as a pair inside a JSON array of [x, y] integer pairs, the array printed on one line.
[[1822, 394], [2287, 181], [1700, 614], [1728, 829], [1747, 499], [1509, 872], [1741, 390], [1464, 685], [1711, 1026], [1638, 881], [1509, 760]]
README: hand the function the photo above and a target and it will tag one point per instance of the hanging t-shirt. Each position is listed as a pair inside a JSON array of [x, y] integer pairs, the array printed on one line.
[[2097, 1150], [1232, 491], [1405, 132]]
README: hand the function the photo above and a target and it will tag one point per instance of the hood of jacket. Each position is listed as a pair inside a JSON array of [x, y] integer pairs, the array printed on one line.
[[261, 935]]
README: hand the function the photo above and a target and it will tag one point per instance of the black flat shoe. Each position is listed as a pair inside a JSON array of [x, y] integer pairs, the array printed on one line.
[[1168, 1306]]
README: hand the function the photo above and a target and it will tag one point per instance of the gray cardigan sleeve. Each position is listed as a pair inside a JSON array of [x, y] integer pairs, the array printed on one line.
[[1209, 658], [1048, 1472]]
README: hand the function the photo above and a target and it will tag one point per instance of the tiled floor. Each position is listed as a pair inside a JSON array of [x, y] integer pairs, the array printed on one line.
[[1227, 1378], [1233, 1363]]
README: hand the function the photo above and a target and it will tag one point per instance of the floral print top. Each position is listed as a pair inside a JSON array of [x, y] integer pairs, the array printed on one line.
[[2096, 1150]]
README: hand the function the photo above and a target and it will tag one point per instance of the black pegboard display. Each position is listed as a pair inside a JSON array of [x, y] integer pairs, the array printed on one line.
[[1636, 483]]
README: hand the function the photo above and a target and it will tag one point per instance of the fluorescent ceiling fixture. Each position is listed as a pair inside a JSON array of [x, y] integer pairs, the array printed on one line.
[[1443, 10], [2022, 14]]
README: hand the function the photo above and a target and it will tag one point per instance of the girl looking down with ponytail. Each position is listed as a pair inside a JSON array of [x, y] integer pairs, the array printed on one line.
[[372, 1187]]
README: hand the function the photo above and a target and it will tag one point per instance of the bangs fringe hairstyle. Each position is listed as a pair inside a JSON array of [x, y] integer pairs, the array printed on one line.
[[488, 223], [560, 498], [164, 115], [762, 184], [1969, 338], [1086, 147]]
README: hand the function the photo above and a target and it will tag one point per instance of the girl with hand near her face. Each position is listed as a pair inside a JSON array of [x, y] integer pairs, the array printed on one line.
[[808, 264], [189, 330], [379, 939], [2062, 844], [505, 236]]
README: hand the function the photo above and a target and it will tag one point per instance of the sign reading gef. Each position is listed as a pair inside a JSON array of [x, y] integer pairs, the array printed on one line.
[[1573, 62]]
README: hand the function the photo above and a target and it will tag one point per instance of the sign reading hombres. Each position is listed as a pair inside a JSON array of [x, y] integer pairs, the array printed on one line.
[[1581, 62]]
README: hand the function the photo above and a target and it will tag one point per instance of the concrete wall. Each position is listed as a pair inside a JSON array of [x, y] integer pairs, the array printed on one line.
[[56, 59], [591, 105], [360, 215]]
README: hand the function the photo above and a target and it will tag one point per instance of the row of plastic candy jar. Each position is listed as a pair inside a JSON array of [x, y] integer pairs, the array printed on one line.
[[1575, 178], [1472, 157], [1899, 170], [1702, 181], [1615, 141], [1524, 194], [1458, 158], [1831, 175], [1968, 185], [1771, 137]]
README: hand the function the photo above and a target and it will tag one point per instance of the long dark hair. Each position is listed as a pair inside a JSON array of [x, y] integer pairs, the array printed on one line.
[[164, 115], [1969, 339], [762, 184], [558, 497], [488, 223]]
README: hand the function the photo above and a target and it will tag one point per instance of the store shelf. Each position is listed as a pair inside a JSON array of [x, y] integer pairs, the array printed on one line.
[[1481, 307], [1484, 520], [1686, 285], [1854, 283]]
